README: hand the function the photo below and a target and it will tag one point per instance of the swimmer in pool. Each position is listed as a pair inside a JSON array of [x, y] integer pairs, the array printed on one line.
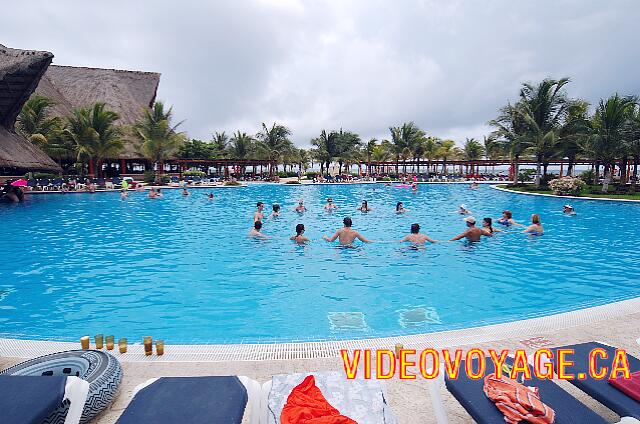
[[299, 237], [159, 194], [255, 231], [276, 211], [301, 208], [400, 208], [152, 193], [416, 238], [346, 235], [568, 210], [474, 185], [535, 229], [414, 186], [507, 219], [210, 196], [330, 205], [472, 233], [185, 192], [258, 215], [487, 227], [364, 208], [462, 210], [123, 194]]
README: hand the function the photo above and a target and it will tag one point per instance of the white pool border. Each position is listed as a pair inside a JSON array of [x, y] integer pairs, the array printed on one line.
[[606, 199], [331, 349]]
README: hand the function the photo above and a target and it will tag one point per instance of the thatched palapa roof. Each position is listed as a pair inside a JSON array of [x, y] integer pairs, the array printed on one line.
[[20, 72], [126, 92]]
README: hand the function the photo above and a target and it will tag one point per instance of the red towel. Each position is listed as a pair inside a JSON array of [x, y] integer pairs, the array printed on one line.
[[516, 401], [307, 405], [628, 386]]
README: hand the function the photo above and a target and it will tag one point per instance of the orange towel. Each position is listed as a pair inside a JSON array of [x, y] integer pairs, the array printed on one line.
[[517, 402], [307, 405]]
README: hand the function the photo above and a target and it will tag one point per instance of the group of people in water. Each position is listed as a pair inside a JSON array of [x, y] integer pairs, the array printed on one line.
[[347, 235]]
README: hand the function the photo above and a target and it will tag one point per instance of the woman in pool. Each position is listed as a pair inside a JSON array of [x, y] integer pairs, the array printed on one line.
[[301, 208], [299, 237], [185, 192], [568, 210], [487, 226], [159, 194], [210, 196], [276, 211], [535, 229], [462, 210], [507, 219], [364, 208], [400, 208], [152, 193]]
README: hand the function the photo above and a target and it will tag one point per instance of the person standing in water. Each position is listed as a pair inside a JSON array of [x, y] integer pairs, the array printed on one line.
[[185, 192], [507, 219], [152, 193], [364, 208], [462, 210], [258, 215], [346, 234], [487, 227], [255, 231], [416, 238], [472, 233], [210, 196], [568, 210], [330, 205], [301, 208], [276, 211], [535, 229], [400, 208], [300, 237]]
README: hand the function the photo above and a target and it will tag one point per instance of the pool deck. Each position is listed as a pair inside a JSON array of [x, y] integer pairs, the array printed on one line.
[[615, 324]]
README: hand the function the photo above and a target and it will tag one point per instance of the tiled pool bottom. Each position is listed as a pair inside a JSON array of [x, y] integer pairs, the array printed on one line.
[[330, 349]]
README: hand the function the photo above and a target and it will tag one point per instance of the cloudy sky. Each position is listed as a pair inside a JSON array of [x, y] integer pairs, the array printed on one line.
[[362, 65]]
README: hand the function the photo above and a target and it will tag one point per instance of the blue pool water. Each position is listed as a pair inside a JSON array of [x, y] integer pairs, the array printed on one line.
[[183, 269]]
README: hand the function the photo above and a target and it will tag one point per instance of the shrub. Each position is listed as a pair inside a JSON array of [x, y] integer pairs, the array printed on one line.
[[567, 186], [292, 182], [149, 177], [526, 175], [232, 183], [588, 176], [193, 174], [40, 175]]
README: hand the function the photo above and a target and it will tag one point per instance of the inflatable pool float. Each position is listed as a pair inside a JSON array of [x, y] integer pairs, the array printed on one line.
[[402, 186], [101, 370]]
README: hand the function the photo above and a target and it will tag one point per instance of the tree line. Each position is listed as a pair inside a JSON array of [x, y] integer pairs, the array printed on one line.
[[544, 123]]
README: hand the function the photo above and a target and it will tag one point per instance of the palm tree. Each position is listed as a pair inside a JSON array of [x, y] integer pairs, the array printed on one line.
[[381, 153], [431, 150], [446, 151], [510, 132], [348, 148], [609, 132], [95, 134], [327, 148], [242, 145], [158, 138], [273, 143], [34, 124], [543, 109], [368, 152], [220, 143], [407, 142], [574, 132], [473, 151]]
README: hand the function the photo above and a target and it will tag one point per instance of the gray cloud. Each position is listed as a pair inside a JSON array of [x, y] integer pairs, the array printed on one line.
[[357, 64]]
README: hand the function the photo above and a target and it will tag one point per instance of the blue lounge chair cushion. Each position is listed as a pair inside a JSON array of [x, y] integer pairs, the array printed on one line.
[[469, 393], [193, 400], [601, 390], [29, 399]]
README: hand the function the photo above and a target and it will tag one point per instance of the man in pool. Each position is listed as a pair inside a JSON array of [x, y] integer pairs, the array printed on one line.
[[346, 234], [258, 215], [255, 231], [330, 205], [568, 210], [301, 208], [472, 233], [462, 210], [416, 238]]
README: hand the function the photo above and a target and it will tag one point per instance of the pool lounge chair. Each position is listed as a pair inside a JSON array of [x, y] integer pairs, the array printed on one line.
[[361, 400], [601, 390], [194, 400], [34, 399], [469, 393]]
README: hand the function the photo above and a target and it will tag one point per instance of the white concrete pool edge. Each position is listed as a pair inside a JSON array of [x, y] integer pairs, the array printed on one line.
[[495, 186], [11, 348]]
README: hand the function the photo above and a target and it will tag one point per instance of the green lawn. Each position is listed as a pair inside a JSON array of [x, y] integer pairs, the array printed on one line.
[[587, 192]]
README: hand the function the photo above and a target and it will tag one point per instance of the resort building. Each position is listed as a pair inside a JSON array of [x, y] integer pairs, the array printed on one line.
[[128, 93], [20, 72]]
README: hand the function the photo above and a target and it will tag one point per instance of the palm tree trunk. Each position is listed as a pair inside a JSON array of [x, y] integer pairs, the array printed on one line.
[[538, 170], [607, 177]]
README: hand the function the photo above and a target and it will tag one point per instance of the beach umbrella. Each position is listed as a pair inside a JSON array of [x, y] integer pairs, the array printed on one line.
[[19, 183]]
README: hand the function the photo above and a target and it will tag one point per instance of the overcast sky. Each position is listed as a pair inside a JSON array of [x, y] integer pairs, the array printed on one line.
[[362, 65]]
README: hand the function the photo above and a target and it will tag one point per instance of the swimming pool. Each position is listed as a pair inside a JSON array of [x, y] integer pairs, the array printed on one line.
[[182, 269]]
